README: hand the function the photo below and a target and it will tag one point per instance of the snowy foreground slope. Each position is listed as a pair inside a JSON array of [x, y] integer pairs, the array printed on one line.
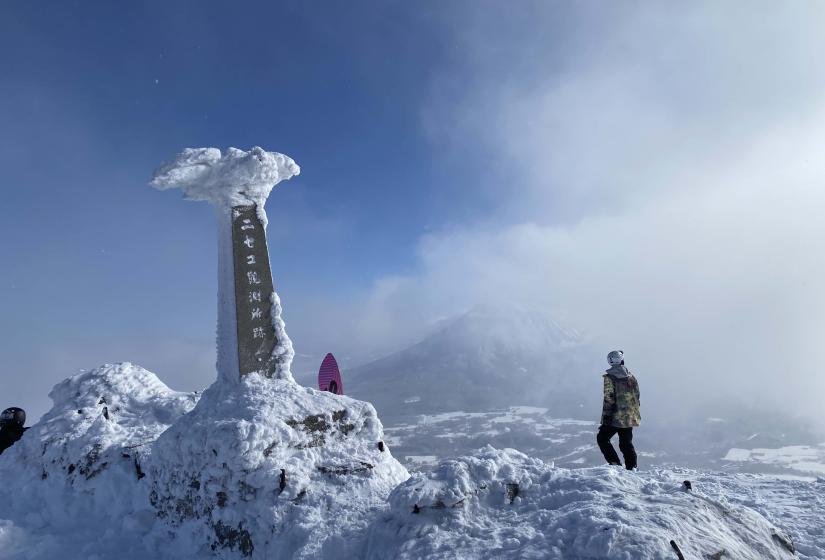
[[122, 467]]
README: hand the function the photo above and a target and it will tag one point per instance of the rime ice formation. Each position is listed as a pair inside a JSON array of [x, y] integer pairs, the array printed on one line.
[[226, 180], [123, 467], [81, 467], [234, 178], [272, 471], [504, 504]]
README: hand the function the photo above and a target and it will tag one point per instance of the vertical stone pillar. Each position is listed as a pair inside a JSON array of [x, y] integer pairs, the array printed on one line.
[[251, 337], [256, 337]]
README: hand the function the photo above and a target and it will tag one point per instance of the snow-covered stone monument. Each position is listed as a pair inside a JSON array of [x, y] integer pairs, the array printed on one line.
[[252, 467], [251, 334]]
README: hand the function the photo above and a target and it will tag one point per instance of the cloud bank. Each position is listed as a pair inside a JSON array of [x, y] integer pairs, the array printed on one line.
[[658, 181]]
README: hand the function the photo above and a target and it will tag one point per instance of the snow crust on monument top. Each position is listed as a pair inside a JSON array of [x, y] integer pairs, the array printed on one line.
[[232, 178]]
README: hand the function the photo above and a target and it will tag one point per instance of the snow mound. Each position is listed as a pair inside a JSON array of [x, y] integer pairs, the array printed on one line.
[[124, 467], [83, 459], [234, 178], [270, 469], [504, 504]]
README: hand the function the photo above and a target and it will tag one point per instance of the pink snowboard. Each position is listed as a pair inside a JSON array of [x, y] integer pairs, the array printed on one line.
[[329, 377]]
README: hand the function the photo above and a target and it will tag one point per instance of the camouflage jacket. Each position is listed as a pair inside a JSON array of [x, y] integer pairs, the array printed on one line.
[[620, 408]]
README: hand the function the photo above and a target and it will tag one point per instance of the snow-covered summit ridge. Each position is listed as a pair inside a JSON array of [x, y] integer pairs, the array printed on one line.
[[504, 504], [122, 466], [233, 178], [269, 469]]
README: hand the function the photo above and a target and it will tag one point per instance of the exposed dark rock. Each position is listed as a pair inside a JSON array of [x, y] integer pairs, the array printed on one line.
[[360, 467], [138, 470], [512, 491], [784, 541], [233, 538], [300, 496]]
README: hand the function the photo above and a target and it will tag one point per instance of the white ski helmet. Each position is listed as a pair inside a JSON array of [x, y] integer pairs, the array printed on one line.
[[615, 358]]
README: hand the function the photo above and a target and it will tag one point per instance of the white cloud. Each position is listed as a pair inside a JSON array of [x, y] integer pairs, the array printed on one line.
[[662, 190]]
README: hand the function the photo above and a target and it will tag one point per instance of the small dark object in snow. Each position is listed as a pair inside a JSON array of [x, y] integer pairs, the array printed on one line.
[[381, 446], [688, 485], [71, 468], [102, 401], [215, 452], [221, 499], [675, 547], [512, 491], [138, 470], [416, 509], [106, 412], [784, 541], [718, 555], [44, 476], [300, 496], [231, 538], [282, 483], [80, 411], [347, 469]]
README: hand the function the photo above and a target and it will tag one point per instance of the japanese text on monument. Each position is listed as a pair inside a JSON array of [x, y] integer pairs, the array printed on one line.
[[253, 292]]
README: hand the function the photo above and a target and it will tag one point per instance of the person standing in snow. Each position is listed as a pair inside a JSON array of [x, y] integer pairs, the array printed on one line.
[[11, 427], [620, 411]]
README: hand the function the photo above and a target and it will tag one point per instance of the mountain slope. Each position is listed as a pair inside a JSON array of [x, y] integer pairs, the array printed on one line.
[[489, 357]]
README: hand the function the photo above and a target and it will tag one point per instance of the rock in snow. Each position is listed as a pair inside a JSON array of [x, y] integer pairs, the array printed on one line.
[[123, 467]]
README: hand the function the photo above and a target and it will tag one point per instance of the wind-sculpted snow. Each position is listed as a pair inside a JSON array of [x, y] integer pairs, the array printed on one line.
[[503, 504], [234, 178], [83, 461], [123, 467], [270, 469]]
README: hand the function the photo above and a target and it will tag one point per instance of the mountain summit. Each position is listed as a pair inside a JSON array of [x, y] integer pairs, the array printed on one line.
[[491, 356]]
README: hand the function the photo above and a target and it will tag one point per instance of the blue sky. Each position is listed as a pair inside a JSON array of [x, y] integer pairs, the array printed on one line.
[[649, 174], [96, 95]]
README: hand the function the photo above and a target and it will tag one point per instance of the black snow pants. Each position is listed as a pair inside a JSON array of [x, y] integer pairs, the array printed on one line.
[[625, 444]]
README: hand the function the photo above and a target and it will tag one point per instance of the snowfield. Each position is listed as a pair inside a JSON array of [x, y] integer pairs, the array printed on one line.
[[123, 467]]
